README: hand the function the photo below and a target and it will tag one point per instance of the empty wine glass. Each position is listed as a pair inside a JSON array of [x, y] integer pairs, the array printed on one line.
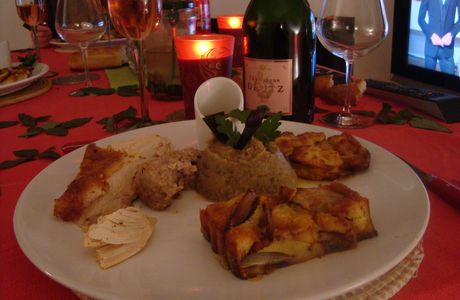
[[105, 5], [135, 19], [351, 29], [32, 13], [80, 22]]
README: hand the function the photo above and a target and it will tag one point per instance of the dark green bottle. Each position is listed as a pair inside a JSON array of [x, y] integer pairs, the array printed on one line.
[[280, 57]]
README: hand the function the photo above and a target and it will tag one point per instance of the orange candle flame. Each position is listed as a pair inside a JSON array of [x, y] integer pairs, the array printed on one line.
[[230, 21]]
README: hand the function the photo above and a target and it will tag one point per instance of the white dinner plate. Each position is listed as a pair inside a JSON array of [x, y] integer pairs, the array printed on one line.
[[38, 71], [178, 262]]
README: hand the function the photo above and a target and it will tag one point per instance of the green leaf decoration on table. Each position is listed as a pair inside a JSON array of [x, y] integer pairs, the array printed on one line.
[[49, 125], [74, 123], [405, 116], [55, 128], [49, 154], [26, 155], [128, 90], [423, 123], [366, 113], [7, 124], [29, 121], [112, 124], [32, 131], [129, 113], [57, 131], [12, 163], [92, 91]]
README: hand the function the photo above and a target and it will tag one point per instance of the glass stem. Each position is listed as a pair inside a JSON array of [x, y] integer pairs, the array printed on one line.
[[139, 55], [84, 55], [107, 17], [346, 108], [37, 46]]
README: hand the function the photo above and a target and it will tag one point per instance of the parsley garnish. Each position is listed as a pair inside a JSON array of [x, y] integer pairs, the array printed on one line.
[[256, 123]]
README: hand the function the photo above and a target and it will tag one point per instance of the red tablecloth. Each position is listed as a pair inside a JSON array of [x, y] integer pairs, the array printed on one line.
[[435, 152]]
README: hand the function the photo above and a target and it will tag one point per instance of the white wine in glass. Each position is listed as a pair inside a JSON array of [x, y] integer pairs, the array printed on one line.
[[350, 29], [135, 19], [32, 13], [80, 22]]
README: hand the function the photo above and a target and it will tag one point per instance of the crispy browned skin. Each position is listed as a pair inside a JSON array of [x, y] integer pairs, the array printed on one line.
[[97, 165], [315, 157], [256, 234]]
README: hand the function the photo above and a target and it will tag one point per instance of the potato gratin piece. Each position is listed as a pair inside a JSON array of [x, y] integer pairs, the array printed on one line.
[[256, 234], [315, 157]]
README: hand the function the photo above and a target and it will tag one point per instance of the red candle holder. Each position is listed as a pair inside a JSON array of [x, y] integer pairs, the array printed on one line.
[[201, 57], [233, 25]]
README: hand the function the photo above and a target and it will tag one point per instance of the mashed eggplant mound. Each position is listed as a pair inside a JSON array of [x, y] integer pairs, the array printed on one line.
[[224, 172]]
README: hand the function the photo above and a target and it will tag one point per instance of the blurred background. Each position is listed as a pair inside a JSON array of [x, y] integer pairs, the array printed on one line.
[[376, 65]]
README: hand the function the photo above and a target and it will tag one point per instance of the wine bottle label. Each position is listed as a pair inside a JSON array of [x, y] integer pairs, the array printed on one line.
[[268, 82]]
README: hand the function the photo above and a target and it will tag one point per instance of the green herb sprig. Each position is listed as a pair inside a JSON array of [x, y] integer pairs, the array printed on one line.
[[256, 122], [28, 61]]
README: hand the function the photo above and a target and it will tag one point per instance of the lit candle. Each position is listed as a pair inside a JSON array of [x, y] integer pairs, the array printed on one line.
[[230, 22], [201, 57], [233, 25]]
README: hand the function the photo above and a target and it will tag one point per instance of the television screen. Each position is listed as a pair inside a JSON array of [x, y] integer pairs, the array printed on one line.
[[433, 41], [426, 42]]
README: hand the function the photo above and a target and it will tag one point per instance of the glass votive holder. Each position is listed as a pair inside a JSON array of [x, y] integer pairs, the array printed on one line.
[[201, 57], [233, 25]]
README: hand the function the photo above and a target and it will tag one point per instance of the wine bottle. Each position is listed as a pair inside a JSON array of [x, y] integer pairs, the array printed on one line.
[[280, 57]]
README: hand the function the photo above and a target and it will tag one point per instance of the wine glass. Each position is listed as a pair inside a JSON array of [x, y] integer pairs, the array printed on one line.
[[32, 13], [351, 29], [80, 22], [105, 5], [135, 19]]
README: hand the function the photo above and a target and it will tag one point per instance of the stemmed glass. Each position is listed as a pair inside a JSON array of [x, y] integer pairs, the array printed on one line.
[[80, 22], [135, 19], [351, 29], [105, 5], [32, 13]]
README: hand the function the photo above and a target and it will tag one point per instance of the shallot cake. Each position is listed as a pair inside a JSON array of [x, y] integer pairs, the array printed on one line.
[[257, 233]]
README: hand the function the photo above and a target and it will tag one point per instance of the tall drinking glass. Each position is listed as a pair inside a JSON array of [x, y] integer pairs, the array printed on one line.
[[351, 29], [135, 19], [80, 22], [105, 5], [32, 13]]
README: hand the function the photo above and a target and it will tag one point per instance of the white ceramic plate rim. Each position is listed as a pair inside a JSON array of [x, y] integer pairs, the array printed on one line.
[[179, 264], [39, 70]]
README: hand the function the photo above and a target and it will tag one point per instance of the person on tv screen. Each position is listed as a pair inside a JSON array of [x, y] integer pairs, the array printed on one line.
[[440, 32]]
